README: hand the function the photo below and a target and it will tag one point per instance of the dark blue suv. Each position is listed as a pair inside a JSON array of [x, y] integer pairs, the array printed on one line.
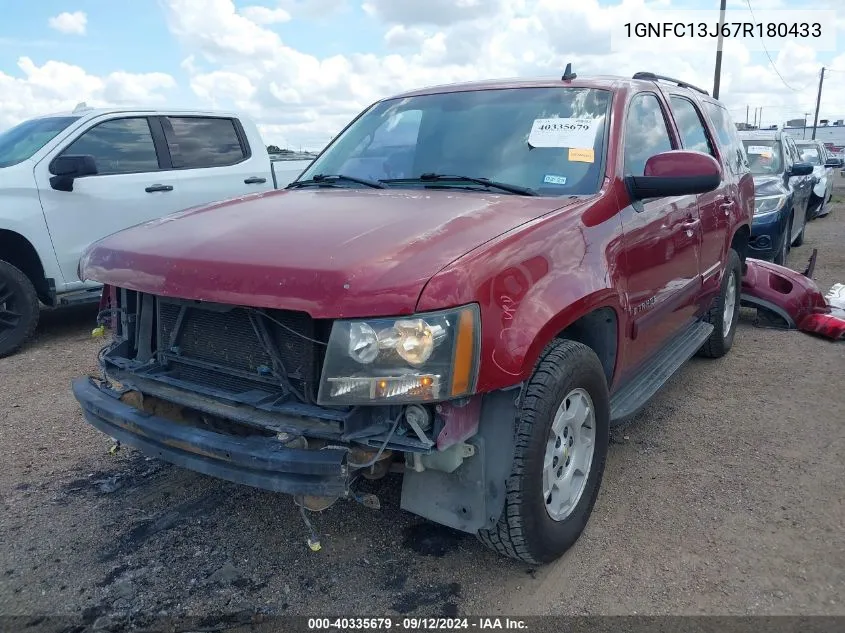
[[782, 188]]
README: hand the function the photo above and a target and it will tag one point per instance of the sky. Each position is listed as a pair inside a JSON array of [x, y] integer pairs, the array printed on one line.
[[303, 68]]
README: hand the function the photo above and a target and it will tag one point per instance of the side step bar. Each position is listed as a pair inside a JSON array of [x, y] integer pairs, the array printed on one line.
[[79, 297], [632, 397]]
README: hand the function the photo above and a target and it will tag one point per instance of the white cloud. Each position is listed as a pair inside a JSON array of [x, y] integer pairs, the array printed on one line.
[[57, 86], [70, 23], [438, 12], [264, 15], [234, 59]]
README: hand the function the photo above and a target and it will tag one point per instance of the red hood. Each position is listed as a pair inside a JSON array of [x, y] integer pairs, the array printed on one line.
[[337, 253]]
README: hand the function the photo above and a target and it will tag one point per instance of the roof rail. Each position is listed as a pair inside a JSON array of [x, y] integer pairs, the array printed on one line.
[[682, 84]]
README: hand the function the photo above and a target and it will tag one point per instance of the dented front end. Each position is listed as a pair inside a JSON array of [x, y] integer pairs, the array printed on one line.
[[240, 394]]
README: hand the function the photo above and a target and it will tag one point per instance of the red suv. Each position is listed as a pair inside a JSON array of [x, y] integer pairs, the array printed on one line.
[[470, 285]]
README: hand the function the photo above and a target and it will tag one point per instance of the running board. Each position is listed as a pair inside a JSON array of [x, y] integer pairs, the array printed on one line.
[[78, 297], [628, 401]]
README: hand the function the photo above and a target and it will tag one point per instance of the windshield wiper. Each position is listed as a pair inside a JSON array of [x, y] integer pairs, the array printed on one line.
[[330, 179], [486, 182]]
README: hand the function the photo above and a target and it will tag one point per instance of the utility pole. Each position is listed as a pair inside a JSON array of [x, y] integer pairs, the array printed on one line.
[[806, 120], [761, 117], [746, 116], [717, 75], [818, 103]]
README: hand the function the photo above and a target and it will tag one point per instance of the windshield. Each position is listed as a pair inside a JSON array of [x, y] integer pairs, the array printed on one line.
[[23, 140], [810, 154], [550, 140], [764, 156]]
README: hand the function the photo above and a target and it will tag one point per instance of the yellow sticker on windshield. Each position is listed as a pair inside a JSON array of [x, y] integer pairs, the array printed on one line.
[[582, 155]]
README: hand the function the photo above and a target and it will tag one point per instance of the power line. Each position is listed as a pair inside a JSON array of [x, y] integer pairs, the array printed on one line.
[[771, 61]]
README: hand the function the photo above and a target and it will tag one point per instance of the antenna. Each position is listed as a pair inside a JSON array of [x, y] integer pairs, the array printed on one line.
[[80, 107], [568, 75]]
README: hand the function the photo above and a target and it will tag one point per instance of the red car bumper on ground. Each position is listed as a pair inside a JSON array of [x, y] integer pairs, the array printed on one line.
[[793, 297]]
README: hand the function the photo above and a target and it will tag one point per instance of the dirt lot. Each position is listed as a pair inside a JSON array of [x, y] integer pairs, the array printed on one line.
[[724, 496]]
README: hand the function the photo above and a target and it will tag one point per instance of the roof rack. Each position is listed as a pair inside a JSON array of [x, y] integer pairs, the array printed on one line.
[[682, 84]]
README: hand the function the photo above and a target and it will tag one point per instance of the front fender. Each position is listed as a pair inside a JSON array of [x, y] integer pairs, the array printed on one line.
[[21, 213], [532, 284], [820, 188]]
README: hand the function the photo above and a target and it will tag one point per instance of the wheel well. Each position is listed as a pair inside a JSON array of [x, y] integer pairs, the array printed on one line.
[[740, 244], [17, 251], [598, 330]]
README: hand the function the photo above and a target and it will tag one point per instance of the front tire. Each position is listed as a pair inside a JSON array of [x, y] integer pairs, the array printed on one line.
[[561, 444], [19, 309], [724, 313], [799, 241], [783, 253]]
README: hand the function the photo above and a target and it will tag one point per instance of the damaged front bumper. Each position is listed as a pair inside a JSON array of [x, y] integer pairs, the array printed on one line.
[[257, 461]]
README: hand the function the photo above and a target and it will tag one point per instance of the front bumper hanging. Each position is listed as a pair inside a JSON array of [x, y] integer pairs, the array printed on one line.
[[261, 462]]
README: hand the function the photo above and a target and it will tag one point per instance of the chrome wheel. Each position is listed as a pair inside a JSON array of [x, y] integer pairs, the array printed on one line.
[[569, 454], [729, 304]]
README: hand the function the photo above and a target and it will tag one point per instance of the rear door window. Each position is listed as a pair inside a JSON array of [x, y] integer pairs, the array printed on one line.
[[646, 133], [197, 142], [727, 137], [693, 131]]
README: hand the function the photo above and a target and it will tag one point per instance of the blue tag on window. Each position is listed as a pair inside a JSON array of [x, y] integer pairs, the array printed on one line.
[[552, 179]]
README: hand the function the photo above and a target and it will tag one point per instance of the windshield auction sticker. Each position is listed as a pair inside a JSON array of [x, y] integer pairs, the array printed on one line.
[[573, 133], [582, 155], [763, 150]]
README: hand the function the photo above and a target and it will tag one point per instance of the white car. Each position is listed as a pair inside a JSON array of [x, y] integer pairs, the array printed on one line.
[[824, 172], [67, 180]]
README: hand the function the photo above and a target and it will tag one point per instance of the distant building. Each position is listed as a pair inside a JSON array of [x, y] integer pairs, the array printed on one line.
[[833, 136]]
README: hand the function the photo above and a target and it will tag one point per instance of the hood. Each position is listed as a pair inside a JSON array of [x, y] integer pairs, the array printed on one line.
[[331, 253]]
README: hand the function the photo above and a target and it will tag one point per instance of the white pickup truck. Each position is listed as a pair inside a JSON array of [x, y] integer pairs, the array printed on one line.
[[67, 180]]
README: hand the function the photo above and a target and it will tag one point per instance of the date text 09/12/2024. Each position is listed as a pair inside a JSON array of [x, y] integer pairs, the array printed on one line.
[[415, 624], [740, 30]]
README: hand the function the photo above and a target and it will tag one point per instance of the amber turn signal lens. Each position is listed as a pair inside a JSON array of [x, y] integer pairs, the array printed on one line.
[[464, 354]]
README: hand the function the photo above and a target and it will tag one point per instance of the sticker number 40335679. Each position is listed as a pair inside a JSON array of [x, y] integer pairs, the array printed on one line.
[[562, 132]]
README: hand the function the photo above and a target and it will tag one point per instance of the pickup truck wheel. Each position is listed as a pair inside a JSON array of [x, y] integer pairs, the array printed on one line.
[[561, 446], [18, 309], [724, 313]]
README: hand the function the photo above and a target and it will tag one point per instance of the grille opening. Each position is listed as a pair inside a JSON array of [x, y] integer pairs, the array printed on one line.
[[217, 346]]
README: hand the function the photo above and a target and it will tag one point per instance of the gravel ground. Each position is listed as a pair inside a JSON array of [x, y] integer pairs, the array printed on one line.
[[724, 496]]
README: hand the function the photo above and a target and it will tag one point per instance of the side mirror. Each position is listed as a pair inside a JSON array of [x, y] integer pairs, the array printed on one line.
[[833, 162], [801, 169], [675, 173], [66, 169]]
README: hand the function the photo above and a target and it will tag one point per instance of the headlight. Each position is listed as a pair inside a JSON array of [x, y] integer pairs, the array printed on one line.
[[422, 358], [769, 204]]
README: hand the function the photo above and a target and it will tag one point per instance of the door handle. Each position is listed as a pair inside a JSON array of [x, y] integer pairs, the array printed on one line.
[[690, 225], [255, 180], [154, 188]]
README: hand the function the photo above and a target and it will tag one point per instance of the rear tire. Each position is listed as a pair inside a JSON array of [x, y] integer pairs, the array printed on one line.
[[724, 313], [537, 526], [19, 309]]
